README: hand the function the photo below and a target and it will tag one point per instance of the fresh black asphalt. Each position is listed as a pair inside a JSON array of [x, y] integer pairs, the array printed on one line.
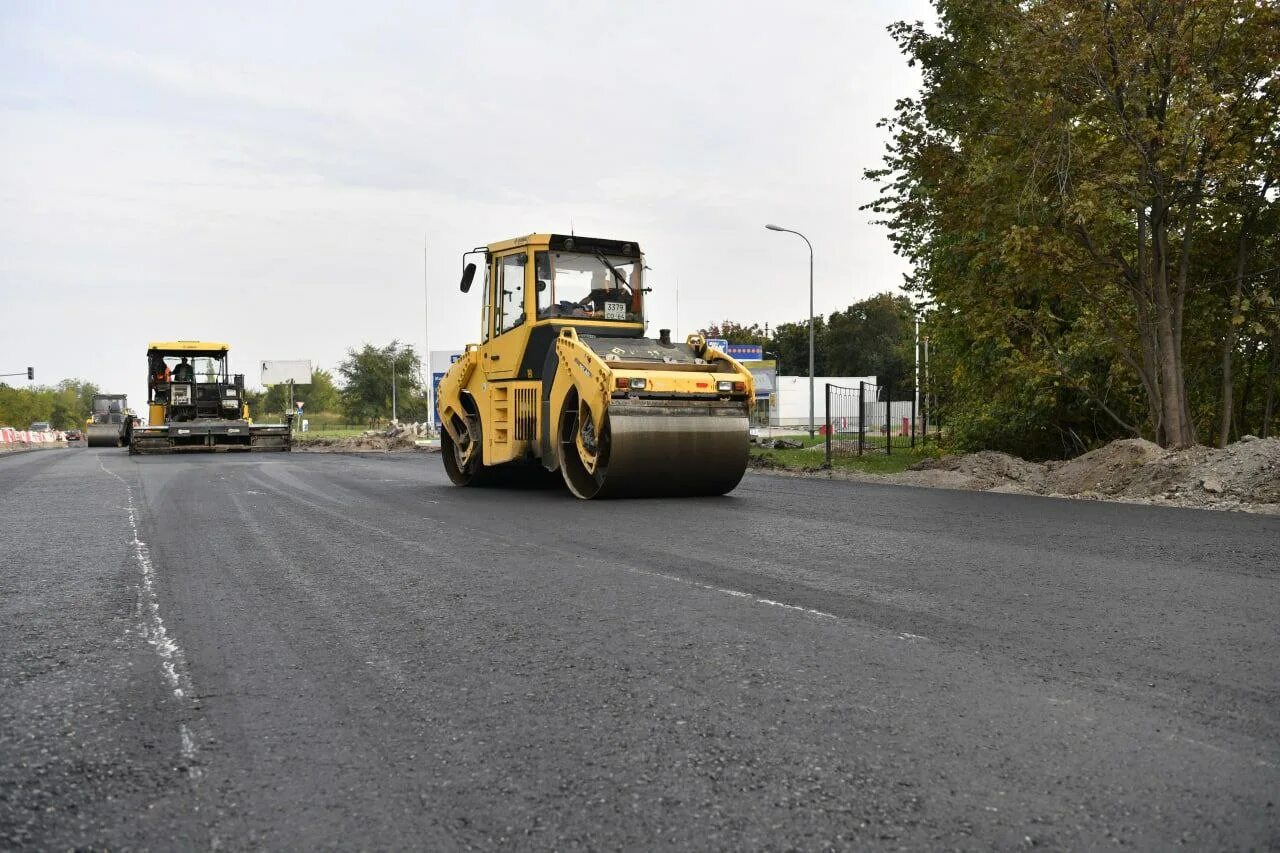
[[300, 651]]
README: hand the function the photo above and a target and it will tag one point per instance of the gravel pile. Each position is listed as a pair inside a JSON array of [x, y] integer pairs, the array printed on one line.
[[1244, 475], [1241, 476]]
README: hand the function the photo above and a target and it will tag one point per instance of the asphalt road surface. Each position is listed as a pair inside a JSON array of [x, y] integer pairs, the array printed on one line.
[[299, 651]]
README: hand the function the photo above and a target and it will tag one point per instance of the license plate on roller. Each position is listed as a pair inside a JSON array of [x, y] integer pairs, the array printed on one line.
[[615, 310]]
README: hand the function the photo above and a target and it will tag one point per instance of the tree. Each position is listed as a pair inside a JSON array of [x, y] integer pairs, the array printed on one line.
[[873, 337], [789, 342], [366, 374], [1054, 184], [320, 395], [65, 406], [255, 399], [737, 333]]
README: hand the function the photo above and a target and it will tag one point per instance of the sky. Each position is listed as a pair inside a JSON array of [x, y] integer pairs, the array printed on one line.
[[299, 179]]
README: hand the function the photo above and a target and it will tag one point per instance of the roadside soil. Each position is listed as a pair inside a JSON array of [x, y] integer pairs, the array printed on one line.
[[1242, 476], [359, 444]]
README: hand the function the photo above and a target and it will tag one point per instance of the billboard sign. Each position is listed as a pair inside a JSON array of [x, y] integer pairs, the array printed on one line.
[[719, 343], [745, 352], [439, 361], [284, 372]]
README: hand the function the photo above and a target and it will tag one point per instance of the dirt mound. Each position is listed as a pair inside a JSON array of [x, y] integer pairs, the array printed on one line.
[[1247, 471], [1109, 470], [987, 469], [1244, 475]]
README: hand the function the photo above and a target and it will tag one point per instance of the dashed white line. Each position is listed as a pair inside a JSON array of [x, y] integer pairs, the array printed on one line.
[[736, 593]]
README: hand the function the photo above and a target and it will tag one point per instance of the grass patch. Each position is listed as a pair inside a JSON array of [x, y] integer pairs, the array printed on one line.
[[812, 457], [326, 432]]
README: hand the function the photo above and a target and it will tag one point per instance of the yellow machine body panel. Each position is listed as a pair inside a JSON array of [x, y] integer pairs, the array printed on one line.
[[187, 347], [564, 379], [194, 404]]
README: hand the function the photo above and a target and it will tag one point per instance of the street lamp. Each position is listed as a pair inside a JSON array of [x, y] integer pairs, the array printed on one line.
[[426, 338], [810, 245], [395, 356]]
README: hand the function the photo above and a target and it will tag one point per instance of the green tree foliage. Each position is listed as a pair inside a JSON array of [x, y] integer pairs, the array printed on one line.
[[737, 333], [873, 337], [256, 399], [320, 395], [366, 375], [1066, 185], [791, 343], [65, 406]]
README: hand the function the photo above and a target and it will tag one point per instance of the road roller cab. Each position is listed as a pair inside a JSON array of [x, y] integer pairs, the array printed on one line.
[[564, 379]]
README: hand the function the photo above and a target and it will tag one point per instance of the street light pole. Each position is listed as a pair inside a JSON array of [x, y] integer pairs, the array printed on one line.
[[426, 337], [810, 245], [915, 406], [393, 384]]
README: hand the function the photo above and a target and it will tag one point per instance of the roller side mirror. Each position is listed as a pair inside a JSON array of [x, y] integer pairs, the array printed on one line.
[[468, 274]]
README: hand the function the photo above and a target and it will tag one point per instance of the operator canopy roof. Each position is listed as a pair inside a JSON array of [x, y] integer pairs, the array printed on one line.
[[189, 348], [571, 243]]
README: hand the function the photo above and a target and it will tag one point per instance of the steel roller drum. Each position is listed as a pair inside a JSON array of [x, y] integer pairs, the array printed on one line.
[[665, 451], [105, 435]]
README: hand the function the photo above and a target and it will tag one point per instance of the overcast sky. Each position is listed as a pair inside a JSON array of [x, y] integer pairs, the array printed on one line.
[[268, 175]]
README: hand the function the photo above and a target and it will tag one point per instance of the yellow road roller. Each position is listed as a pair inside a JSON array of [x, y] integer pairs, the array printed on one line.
[[111, 422], [564, 379]]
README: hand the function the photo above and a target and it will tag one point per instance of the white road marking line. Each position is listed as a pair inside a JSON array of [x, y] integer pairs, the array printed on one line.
[[173, 663], [736, 593], [1260, 762]]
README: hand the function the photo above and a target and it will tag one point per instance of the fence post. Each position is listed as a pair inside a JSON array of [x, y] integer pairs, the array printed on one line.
[[925, 411], [862, 423], [827, 425], [913, 420], [888, 421]]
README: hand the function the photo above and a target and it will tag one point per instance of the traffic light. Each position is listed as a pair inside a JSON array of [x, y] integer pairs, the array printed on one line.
[[31, 373]]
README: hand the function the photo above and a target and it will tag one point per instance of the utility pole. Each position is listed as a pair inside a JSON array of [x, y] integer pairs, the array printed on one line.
[[915, 406], [928, 408], [426, 337], [810, 245], [394, 356]]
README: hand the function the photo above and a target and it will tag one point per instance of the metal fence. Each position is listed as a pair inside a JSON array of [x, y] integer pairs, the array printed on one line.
[[868, 419]]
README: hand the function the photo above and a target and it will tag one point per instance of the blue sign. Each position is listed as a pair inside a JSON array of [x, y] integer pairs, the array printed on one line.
[[746, 352], [435, 395], [435, 388], [719, 343]]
